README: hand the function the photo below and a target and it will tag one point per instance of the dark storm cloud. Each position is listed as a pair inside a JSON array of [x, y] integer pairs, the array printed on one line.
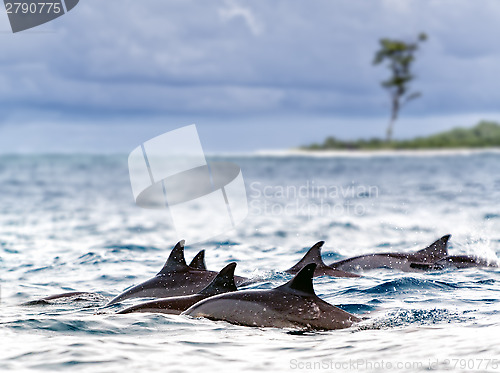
[[241, 57]]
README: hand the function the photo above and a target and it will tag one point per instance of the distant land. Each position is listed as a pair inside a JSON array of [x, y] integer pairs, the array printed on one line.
[[484, 134]]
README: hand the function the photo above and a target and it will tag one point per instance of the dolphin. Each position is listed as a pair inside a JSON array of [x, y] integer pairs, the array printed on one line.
[[292, 305], [401, 261], [73, 295], [222, 283], [314, 256], [455, 261], [175, 278], [198, 261]]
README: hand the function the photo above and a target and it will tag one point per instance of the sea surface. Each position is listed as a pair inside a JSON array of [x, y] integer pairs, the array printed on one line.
[[69, 223]]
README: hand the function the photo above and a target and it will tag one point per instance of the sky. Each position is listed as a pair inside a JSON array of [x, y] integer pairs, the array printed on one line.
[[252, 75]]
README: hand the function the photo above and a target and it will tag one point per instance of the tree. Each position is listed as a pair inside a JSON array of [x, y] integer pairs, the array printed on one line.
[[400, 56]]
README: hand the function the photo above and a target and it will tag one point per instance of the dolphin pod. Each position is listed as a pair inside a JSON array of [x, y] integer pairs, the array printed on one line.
[[176, 278], [195, 291], [292, 305], [222, 283]]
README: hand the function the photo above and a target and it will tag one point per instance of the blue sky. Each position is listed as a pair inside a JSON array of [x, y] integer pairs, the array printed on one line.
[[251, 74]]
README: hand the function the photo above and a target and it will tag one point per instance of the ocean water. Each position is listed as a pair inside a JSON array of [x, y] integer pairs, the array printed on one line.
[[69, 223]]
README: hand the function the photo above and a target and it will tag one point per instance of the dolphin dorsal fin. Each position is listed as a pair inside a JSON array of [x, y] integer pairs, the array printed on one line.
[[175, 261], [313, 255], [198, 261], [302, 281], [222, 283], [435, 251]]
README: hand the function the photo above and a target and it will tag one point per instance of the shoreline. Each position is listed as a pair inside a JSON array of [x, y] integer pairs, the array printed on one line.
[[378, 153], [288, 153]]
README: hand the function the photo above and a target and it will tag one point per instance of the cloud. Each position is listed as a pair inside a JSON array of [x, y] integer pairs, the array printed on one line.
[[233, 10], [230, 58]]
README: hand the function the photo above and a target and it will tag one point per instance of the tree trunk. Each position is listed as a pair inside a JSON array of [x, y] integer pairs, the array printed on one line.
[[394, 117], [388, 133]]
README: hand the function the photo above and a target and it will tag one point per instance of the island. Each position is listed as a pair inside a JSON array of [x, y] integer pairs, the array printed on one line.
[[484, 134]]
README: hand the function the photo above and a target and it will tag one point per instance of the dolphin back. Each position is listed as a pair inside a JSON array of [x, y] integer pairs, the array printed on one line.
[[198, 261], [435, 251], [176, 261], [313, 255], [222, 283]]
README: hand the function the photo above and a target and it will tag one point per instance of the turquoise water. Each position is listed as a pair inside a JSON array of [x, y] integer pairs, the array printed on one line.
[[69, 223]]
